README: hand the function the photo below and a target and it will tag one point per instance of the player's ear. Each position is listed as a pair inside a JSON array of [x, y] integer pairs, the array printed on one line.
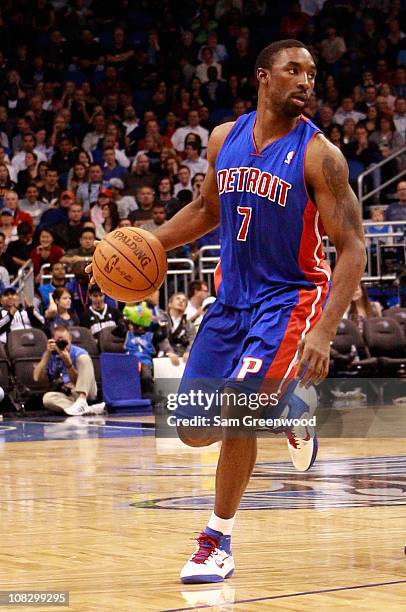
[[262, 75]]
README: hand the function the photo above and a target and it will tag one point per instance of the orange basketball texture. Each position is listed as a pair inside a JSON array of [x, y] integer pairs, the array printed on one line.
[[129, 264]]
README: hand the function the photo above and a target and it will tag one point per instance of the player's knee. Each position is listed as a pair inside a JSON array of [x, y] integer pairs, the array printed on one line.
[[196, 436]]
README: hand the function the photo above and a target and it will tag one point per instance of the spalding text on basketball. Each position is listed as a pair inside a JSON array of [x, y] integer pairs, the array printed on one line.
[[131, 243]]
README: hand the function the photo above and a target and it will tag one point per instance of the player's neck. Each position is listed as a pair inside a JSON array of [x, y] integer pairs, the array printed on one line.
[[270, 126]]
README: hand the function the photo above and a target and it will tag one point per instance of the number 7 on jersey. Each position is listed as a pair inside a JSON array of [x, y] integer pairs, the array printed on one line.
[[246, 212]]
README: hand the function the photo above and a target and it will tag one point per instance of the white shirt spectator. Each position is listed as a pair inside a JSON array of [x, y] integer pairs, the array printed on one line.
[[400, 124], [179, 187], [200, 165], [18, 161], [178, 137], [4, 276], [201, 71], [125, 205], [340, 116], [34, 209]]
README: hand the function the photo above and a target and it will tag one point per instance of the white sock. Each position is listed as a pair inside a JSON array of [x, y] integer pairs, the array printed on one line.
[[225, 526]]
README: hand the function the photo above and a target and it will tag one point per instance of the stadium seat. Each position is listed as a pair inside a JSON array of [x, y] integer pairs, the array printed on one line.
[[342, 360], [121, 382], [386, 341], [397, 314], [83, 337], [25, 348], [108, 343], [4, 369]]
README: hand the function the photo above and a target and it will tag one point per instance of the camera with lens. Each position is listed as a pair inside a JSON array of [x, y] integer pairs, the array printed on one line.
[[61, 344]]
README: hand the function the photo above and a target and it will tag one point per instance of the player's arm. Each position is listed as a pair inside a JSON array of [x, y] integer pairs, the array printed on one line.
[[202, 214], [326, 173]]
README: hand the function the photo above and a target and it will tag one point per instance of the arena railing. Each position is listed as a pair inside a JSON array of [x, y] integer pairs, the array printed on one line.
[[362, 197], [380, 246]]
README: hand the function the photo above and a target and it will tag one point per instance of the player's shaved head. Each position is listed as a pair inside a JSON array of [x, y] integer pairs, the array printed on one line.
[[267, 55]]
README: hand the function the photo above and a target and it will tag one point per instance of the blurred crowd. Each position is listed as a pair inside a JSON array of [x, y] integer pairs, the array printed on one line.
[[105, 114], [106, 110]]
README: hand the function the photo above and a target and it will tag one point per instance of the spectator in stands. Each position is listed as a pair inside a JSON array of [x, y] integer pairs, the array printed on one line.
[[45, 252], [349, 131], [184, 176], [139, 342], [5, 260], [378, 216], [86, 247], [193, 161], [198, 291], [110, 220], [71, 235], [13, 316], [19, 251], [346, 110], [158, 217], [91, 140], [7, 227], [29, 175], [332, 48], [193, 126], [51, 190], [59, 310], [76, 176], [145, 201], [399, 118], [58, 280], [181, 332], [88, 191], [32, 205], [362, 308], [197, 183], [104, 197], [100, 315], [141, 175], [6, 184], [362, 151], [165, 189], [207, 63], [111, 169], [19, 161], [70, 370], [10, 201], [125, 203], [397, 210]]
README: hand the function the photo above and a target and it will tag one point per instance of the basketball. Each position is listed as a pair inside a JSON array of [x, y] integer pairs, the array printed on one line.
[[129, 264]]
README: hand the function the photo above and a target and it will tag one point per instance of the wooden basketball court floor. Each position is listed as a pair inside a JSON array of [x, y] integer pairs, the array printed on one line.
[[100, 508]]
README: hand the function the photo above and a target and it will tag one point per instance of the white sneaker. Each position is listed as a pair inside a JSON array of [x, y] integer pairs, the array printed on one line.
[[78, 408], [97, 408], [302, 439], [211, 562]]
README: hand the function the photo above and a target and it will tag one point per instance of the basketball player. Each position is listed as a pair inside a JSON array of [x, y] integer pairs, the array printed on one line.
[[275, 185]]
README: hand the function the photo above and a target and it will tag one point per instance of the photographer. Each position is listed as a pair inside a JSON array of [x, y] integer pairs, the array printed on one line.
[[70, 369]]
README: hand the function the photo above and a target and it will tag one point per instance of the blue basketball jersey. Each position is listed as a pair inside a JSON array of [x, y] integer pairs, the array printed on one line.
[[270, 230]]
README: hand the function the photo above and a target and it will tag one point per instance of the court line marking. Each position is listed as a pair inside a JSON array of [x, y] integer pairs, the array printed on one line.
[[285, 596]]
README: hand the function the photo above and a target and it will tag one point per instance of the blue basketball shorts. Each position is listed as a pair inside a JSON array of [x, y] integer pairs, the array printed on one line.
[[248, 350]]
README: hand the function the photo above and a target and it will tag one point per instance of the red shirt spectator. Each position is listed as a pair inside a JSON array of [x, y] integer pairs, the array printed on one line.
[[46, 251]]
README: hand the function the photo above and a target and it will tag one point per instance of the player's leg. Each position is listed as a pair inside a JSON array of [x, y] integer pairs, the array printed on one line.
[[274, 336], [215, 352]]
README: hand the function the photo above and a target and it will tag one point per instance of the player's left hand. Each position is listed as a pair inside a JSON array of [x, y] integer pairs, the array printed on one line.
[[89, 269], [314, 355]]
